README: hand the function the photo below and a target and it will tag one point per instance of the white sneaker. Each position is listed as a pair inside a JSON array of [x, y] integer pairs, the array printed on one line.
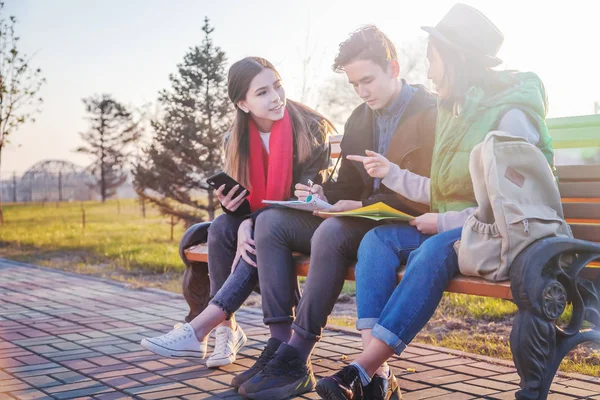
[[227, 345], [180, 342]]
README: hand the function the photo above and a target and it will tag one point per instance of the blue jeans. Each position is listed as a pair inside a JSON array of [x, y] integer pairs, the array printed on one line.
[[397, 312]]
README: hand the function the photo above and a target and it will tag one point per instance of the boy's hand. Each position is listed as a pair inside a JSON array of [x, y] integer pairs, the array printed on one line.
[[377, 166]]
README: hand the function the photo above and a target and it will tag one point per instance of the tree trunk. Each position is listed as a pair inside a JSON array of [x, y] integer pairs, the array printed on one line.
[[102, 159], [14, 187], [60, 197], [1, 213]]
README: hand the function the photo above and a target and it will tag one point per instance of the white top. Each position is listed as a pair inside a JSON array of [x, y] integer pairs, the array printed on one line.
[[265, 139]]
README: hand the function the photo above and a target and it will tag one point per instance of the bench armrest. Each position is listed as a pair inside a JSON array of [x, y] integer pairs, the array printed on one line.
[[557, 259], [195, 234]]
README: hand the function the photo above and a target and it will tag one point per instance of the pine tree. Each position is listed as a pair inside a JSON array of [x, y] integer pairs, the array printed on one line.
[[187, 143]]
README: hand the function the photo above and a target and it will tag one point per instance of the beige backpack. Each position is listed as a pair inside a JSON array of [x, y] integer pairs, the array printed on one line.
[[518, 203]]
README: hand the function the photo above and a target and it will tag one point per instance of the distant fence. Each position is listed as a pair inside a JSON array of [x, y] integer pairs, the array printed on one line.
[[51, 187], [41, 187]]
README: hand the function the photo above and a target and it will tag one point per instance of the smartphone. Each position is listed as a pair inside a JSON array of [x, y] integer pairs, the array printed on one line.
[[217, 180]]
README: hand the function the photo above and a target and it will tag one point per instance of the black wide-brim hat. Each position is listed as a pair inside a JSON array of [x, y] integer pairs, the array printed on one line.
[[467, 29]]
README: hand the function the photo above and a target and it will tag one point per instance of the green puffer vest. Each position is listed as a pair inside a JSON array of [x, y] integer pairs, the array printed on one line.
[[456, 135]]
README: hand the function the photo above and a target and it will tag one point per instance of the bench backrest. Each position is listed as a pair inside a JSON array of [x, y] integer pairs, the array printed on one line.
[[579, 184]]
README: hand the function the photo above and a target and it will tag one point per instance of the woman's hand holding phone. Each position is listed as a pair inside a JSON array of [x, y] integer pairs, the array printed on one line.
[[228, 201]]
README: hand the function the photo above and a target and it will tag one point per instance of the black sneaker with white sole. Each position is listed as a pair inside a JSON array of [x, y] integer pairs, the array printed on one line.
[[286, 375], [383, 389], [266, 356], [343, 385]]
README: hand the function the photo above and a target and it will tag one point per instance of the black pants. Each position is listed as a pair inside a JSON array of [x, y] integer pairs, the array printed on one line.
[[332, 245]]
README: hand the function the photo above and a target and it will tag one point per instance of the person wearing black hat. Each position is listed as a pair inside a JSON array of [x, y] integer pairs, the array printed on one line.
[[473, 100]]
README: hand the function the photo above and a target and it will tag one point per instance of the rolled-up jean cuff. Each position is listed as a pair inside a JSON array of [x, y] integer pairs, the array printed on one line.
[[278, 320], [366, 323], [224, 308], [388, 338], [305, 334]]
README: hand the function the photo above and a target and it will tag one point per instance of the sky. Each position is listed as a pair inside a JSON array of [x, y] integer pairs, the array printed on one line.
[[128, 48]]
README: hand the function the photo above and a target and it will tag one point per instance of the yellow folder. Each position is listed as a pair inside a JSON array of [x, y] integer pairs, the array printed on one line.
[[377, 211]]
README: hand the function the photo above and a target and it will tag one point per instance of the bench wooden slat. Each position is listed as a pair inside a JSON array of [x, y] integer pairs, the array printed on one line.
[[579, 189], [582, 210], [589, 232], [198, 253], [460, 284], [335, 150], [578, 173], [575, 138], [575, 132], [335, 141], [577, 121]]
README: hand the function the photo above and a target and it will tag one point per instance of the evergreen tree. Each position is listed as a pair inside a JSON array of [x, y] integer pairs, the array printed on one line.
[[187, 143]]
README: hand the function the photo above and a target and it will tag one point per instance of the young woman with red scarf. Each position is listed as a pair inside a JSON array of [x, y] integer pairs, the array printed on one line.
[[273, 144]]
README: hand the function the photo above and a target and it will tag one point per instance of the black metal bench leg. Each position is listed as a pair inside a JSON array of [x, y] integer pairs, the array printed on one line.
[[533, 345], [196, 283], [196, 288], [544, 278]]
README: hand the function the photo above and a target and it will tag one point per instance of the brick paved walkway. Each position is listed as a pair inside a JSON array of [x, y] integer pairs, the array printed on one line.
[[65, 336]]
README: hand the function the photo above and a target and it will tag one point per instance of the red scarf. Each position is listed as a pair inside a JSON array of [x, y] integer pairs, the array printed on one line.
[[271, 174]]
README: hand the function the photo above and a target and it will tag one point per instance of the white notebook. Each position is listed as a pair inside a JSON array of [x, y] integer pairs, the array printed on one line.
[[311, 204]]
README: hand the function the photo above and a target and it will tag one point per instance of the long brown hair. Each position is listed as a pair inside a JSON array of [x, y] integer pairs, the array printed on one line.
[[461, 72], [310, 128]]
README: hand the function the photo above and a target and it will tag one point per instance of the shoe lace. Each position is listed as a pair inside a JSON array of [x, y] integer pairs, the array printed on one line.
[[347, 374], [224, 342], [176, 335], [377, 388], [276, 367], [263, 360], [350, 376]]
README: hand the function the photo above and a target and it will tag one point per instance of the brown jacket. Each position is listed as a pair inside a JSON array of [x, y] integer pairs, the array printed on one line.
[[411, 148]]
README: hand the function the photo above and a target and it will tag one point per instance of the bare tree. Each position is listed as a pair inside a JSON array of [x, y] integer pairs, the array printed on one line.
[[307, 60], [412, 57], [337, 100], [20, 84], [109, 141]]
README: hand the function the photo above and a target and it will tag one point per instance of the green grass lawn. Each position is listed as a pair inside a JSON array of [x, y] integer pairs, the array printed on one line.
[[115, 236], [119, 243]]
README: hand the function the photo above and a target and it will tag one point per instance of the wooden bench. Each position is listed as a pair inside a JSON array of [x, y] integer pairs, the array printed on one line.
[[539, 287]]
